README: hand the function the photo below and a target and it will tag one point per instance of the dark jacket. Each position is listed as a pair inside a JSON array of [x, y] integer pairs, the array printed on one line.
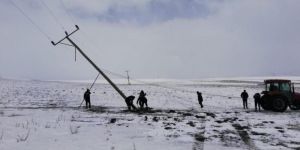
[[244, 95], [87, 95], [200, 98], [256, 97], [142, 94]]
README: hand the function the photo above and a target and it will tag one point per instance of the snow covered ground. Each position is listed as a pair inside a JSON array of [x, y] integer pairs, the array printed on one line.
[[44, 115]]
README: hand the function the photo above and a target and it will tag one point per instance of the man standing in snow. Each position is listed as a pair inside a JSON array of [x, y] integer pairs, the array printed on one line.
[[257, 101], [245, 96], [87, 98], [200, 98]]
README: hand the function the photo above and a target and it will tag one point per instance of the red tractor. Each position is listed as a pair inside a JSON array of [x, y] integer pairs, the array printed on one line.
[[279, 94]]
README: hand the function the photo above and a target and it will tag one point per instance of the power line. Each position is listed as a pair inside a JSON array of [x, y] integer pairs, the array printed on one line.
[[53, 15], [168, 87], [66, 11], [30, 20], [148, 83], [89, 40]]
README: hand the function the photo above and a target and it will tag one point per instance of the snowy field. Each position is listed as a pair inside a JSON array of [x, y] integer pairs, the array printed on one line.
[[44, 115]]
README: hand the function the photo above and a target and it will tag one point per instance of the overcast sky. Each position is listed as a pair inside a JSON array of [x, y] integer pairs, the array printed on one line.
[[151, 38]]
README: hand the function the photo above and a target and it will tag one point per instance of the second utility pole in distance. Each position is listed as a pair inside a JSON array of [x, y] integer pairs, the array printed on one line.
[[127, 71]]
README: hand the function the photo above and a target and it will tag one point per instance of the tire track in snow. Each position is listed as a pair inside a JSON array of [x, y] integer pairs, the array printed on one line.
[[244, 135], [200, 136]]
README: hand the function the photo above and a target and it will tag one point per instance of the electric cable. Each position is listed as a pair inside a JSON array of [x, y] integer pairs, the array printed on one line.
[[66, 11], [30, 20], [53, 15]]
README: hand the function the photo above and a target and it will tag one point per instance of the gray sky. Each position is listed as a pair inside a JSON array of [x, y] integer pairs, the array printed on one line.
[[152, 38]]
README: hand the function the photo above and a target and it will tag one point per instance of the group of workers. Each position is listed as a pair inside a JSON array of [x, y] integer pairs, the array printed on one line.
[[244, 96], [256, 97], [142, 100]]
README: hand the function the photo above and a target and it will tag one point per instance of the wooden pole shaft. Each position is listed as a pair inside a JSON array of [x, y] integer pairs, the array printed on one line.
[[96, 67]]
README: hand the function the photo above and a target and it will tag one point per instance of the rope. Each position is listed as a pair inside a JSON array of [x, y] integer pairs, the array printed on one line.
[[30, 20], [94, 81], [90, 88], [52, 14]]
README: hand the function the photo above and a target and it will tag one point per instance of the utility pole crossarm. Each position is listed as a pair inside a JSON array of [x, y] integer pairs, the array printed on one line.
[[67, 35]]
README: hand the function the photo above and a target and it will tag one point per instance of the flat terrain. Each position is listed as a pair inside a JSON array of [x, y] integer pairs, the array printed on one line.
[[45, 115]]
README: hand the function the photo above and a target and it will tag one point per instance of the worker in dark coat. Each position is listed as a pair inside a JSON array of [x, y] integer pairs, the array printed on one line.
[[245, 96], [129, 102], [142, 100], [139, 100], [87, 99], [257, 101], [200, 98]]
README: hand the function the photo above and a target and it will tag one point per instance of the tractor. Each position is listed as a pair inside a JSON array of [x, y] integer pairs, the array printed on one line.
[[279, 94]]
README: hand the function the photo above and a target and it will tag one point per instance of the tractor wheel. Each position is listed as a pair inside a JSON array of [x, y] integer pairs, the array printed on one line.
[[265, 103], [279, 104]]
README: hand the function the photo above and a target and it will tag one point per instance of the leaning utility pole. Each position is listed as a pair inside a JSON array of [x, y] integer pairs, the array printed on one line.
[[89, 60]]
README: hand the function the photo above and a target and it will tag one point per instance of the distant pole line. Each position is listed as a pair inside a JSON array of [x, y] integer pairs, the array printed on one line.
[[128, 79]]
